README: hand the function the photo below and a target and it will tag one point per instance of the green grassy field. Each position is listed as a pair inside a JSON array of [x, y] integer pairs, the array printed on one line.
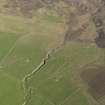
[[59, 82], [23, 45]]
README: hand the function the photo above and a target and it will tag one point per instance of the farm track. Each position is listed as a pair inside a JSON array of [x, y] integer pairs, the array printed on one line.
[[26, 87], [11, 49]]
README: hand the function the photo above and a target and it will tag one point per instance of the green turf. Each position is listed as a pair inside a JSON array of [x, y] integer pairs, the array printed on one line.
[[59, 79], [10, 90], [23, 44], [7, 40]]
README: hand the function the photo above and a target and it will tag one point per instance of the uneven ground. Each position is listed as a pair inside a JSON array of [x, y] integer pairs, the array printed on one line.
[[95, 78], [44, 63]]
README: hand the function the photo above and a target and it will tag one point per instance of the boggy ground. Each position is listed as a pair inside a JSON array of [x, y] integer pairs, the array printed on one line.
[[94, 77]]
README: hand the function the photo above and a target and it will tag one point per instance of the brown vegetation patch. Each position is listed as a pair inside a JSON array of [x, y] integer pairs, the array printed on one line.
[[25, 6], [100, 40], [94, 77]]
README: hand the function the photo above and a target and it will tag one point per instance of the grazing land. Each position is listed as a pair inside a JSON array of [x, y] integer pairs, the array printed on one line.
[[52, 52]]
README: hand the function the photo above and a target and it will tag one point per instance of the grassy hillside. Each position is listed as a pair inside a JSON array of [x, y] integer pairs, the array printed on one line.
[[36, 68], [59, 81], [23, 44]]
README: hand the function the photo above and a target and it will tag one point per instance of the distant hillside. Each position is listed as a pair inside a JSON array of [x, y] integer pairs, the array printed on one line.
[[81, 16]]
